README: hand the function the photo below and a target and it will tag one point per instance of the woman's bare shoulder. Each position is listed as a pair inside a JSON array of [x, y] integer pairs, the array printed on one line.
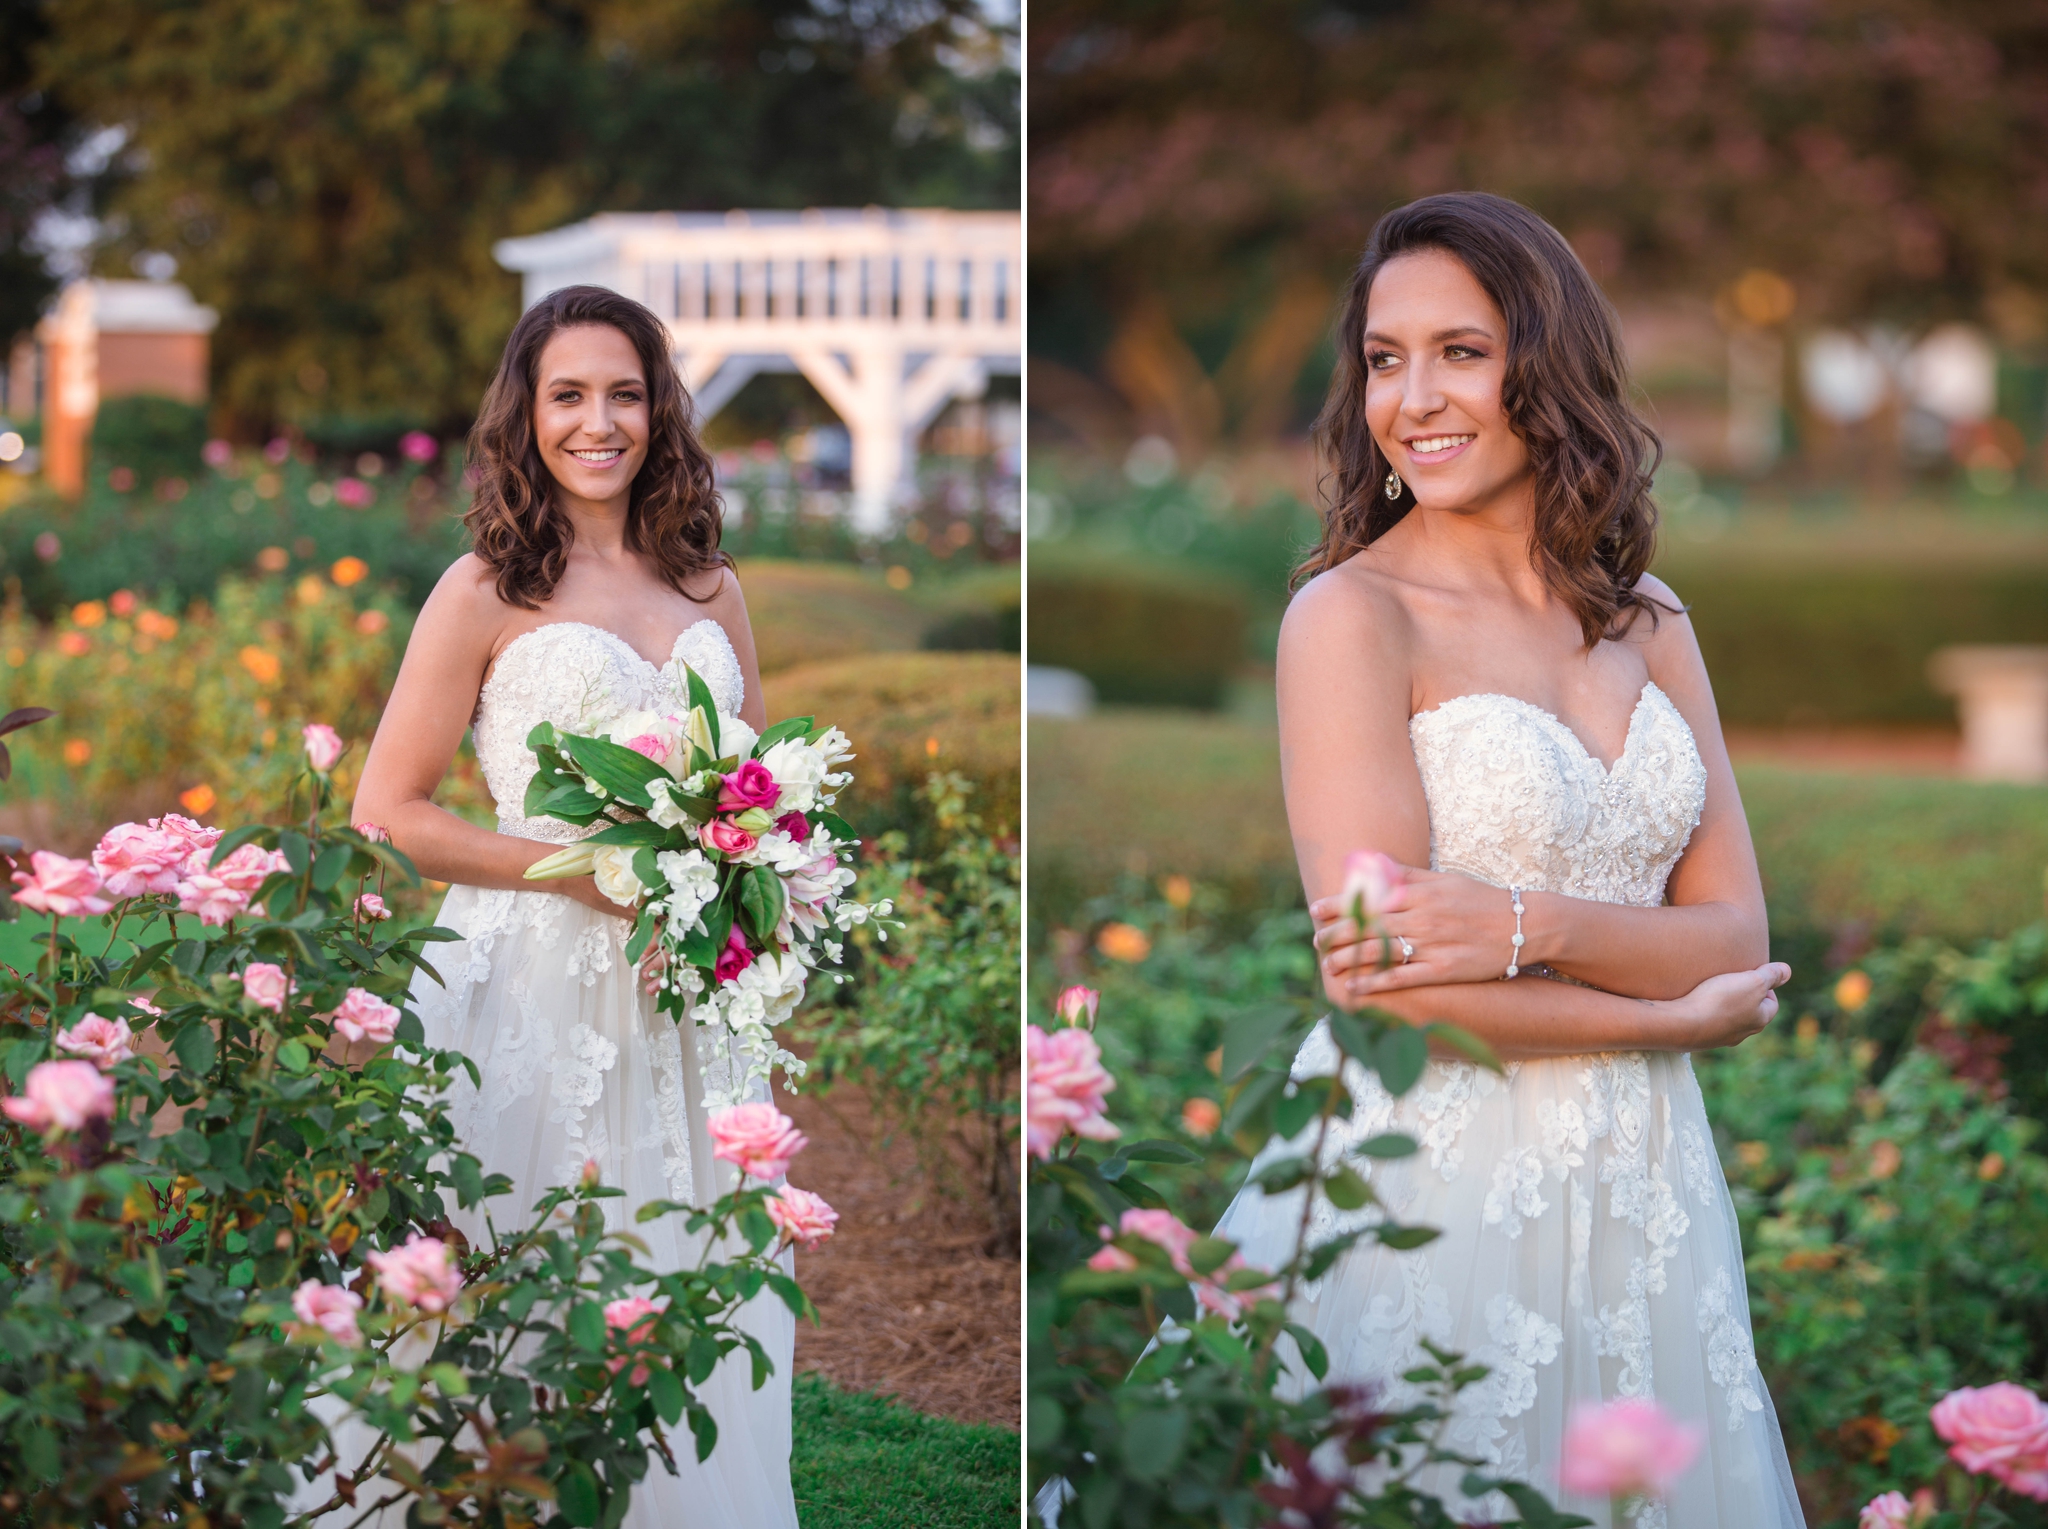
[[464, 610], [1355, 608]]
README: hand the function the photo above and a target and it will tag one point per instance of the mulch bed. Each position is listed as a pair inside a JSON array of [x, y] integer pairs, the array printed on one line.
[[911, 1303]]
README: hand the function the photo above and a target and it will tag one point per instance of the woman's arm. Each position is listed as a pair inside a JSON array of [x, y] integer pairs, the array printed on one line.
[[1714, 923], [429, 710]]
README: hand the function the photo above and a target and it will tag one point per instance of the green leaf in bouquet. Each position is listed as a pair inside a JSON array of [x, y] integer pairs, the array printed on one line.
[[569, 802], [761, 901], [624, 772], [701, 946], [640, 833], [643, 931], [700, 699], [1399, 1058], [791, 727], [543, 736], [644, 869], [835, 825]]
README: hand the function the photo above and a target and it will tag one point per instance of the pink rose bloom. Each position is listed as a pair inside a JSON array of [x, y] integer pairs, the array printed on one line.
[[758, 1137], [801, 1216], [749, 786], [180, 830], [633, 1319], [146, 1007], [1891, 1511], [371, 906], [796, 825], [134, 859], [330, 1308], [61, 1096], [1626, 1448], [69, 888], [218, 893], [1065, 1082], [100, 1041], [1374, 879], [1111, 1259], [374, 833], [420, 1274], [266, 986], [323, 745], [1163, 1229], [735, 958], [366, 1017], [726, 838], [1076, 1006], [2000, 1429], [655, 748]]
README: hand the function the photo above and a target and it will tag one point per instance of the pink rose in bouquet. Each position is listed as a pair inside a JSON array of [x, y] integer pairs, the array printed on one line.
[[796, 825], [134, 859], [804, 1218], [749, 786], [420, 1274], [1064, 1088], [758, 1137], [331, 1308], [59, 885], [266, 985], [323, 746], [1998, 1430], [1626, 1448], [735, 958], [633, 1319], [100, 1041], [726, 837], [364, 1016], [61, 1096]]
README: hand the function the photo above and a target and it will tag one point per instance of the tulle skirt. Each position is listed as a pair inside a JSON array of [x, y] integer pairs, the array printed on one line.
[[1589, 1251], [576, 1065]]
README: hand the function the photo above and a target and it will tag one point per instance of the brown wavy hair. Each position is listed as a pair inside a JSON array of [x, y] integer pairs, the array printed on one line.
[[1565, 394], [674, 517]]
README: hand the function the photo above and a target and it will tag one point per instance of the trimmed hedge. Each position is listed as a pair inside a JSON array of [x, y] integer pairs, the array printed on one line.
[[1156, 793], [804, 612], [1141, 635], [909, 714]]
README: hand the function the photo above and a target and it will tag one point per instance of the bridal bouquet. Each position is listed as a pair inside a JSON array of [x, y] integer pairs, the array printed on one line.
[[726, 844]]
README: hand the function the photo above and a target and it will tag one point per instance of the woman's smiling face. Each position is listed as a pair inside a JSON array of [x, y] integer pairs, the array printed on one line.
[[590, 412], [1435, 356]]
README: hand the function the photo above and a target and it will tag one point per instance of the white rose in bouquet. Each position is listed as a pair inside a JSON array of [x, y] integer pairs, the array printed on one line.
[[799, 769], [612, 866], [654, 734]]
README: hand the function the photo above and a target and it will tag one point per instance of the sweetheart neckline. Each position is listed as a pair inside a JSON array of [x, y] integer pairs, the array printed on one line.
[[1606, 770], [498, 664]]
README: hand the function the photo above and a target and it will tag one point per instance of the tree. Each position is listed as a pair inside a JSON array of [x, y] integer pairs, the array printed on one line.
[[332, 177], [1214, 160]]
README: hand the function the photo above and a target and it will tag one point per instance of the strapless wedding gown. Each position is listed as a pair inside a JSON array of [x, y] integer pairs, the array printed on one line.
[[576, 1064], [1590, 1248]]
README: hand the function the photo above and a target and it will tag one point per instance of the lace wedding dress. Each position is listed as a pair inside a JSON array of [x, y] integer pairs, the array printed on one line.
[[577, 1065], [1589, 1247]]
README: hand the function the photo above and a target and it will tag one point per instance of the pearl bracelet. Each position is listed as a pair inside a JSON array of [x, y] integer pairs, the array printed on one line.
[[1515, 956]]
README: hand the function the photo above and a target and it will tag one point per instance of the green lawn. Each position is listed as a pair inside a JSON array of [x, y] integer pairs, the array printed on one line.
[[868, 1462], [1199, 794]]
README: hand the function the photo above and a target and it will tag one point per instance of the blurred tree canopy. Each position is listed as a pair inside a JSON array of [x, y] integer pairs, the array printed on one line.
[[332, 176], [1204, 172]]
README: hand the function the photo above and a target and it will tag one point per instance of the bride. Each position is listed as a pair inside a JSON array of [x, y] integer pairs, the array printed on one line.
[[596, 576], [1481, 681]]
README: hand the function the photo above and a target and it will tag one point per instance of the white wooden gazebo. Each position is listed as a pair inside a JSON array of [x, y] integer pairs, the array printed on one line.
[[889, 313]]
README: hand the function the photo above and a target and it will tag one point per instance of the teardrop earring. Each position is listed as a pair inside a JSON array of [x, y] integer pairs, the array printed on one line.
[[1393, 484]]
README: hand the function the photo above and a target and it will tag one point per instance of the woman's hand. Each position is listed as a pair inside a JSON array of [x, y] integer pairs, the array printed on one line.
[[1457, 930], [1729, 1009]]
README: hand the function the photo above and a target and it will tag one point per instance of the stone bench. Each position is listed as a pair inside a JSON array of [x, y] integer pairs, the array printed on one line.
[[2002, 693]]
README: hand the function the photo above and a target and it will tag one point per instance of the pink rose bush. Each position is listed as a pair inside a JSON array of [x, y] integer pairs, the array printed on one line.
[[1065, 1082], [135, 859], [1166, 1231], [324, 747], [330, 1308], [632, 1321], [60, 1097], [420, 1274], [1626, 1448], [217, 893], [1889, 1511], [1077, 1005], [370, 907], [266, 985], [2000, 1431], [103, 1042], [363, 1016], [61, 886], [804, 1218], [757, 1137]]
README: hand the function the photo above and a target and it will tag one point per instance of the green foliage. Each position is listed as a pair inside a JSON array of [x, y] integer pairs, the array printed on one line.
[[1897, 1241], [861, 1462], [154, 436], [929, 1028], [1140, 634], [332, 178], [149, 1365]]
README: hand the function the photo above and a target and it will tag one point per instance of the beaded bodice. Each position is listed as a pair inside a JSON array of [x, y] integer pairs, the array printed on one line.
[[580, 677], [1516, 799]]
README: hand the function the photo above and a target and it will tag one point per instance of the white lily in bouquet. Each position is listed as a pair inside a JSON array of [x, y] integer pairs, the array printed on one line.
[[725, 843]]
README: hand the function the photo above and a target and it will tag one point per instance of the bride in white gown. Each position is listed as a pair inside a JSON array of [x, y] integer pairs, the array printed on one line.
[[595, 578], [1481, 681]]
